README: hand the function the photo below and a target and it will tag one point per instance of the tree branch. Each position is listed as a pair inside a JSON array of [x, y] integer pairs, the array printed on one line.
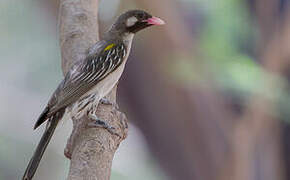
[[91, 150]]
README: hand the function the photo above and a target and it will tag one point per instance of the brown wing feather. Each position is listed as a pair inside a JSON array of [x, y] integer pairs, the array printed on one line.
[[82, 77]]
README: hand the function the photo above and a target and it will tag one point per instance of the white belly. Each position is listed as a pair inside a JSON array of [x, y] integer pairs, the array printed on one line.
[[106, 85], [90, 100]]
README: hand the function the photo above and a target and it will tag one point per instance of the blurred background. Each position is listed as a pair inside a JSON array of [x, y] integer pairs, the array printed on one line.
[[207, 95]]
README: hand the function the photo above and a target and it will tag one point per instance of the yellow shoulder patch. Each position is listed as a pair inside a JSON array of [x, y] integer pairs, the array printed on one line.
[[110, 46]]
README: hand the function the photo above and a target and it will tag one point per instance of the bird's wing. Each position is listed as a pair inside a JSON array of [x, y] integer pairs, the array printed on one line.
[[81, 78]]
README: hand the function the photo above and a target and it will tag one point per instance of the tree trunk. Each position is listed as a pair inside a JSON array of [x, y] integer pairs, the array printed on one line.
[[91, 150]]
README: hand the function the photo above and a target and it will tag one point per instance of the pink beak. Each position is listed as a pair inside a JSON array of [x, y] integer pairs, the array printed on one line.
[[155, 21]]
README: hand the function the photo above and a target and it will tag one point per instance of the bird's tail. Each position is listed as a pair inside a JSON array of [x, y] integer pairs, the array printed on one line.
[[34, 161]]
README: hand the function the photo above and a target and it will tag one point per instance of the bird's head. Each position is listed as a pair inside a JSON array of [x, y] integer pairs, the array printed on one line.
[[134, 21]]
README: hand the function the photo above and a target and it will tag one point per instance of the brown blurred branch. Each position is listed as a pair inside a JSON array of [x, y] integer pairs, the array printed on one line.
[[207, 134], [257, 133], [190, 113], [91, 150]]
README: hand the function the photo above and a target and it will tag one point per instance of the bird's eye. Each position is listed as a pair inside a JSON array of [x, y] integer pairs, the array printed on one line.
[[140, 15]]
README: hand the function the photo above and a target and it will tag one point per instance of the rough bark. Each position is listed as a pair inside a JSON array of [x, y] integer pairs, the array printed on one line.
[[91, 150]]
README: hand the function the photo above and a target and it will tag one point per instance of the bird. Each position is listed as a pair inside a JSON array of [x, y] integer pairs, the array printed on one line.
[[88, 81]]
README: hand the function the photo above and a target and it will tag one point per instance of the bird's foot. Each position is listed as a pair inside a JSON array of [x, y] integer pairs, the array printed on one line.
[[106, 101], [98, 123]]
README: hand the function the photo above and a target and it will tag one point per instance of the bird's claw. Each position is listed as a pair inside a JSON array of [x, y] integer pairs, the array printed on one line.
[[106, 101], [98, 123]]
